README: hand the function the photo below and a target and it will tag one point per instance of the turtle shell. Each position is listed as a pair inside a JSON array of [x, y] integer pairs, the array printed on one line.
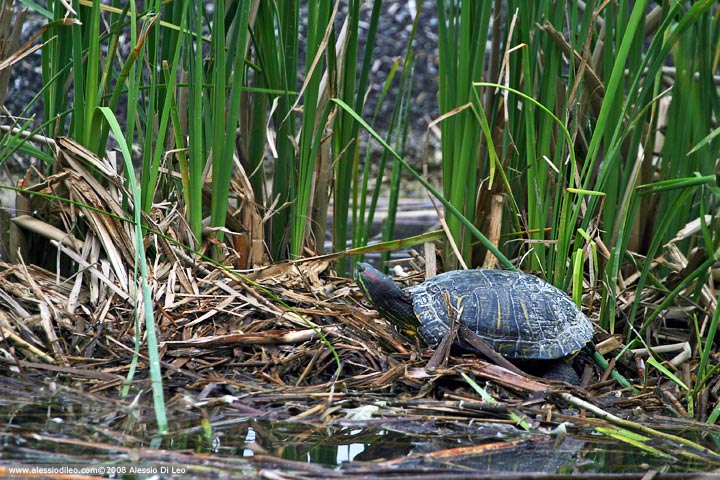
[[519, 315]]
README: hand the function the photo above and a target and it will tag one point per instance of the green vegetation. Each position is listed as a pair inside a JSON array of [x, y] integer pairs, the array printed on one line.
[[596, 125]]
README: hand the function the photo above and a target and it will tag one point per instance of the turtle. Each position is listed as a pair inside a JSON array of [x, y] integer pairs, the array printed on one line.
[[519, 315]]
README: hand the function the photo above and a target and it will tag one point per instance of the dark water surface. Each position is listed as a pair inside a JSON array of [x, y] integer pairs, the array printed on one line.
[[51, 426]]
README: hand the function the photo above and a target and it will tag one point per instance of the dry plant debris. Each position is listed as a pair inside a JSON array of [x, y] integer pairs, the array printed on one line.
[[286, 342]]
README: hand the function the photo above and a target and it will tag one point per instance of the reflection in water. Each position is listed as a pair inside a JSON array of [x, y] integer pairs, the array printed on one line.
[[249, 439], [436, 445], [348, 453], [60, 413]]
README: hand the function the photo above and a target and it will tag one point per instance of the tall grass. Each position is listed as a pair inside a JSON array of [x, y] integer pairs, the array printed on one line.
[[633, 122], [594, 122], [463, 33]]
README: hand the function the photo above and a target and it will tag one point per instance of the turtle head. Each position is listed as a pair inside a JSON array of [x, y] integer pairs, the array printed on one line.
[[387, 297]]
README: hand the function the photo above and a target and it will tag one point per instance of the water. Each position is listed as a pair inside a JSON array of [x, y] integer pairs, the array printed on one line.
[[44, 424], [46, 434]]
